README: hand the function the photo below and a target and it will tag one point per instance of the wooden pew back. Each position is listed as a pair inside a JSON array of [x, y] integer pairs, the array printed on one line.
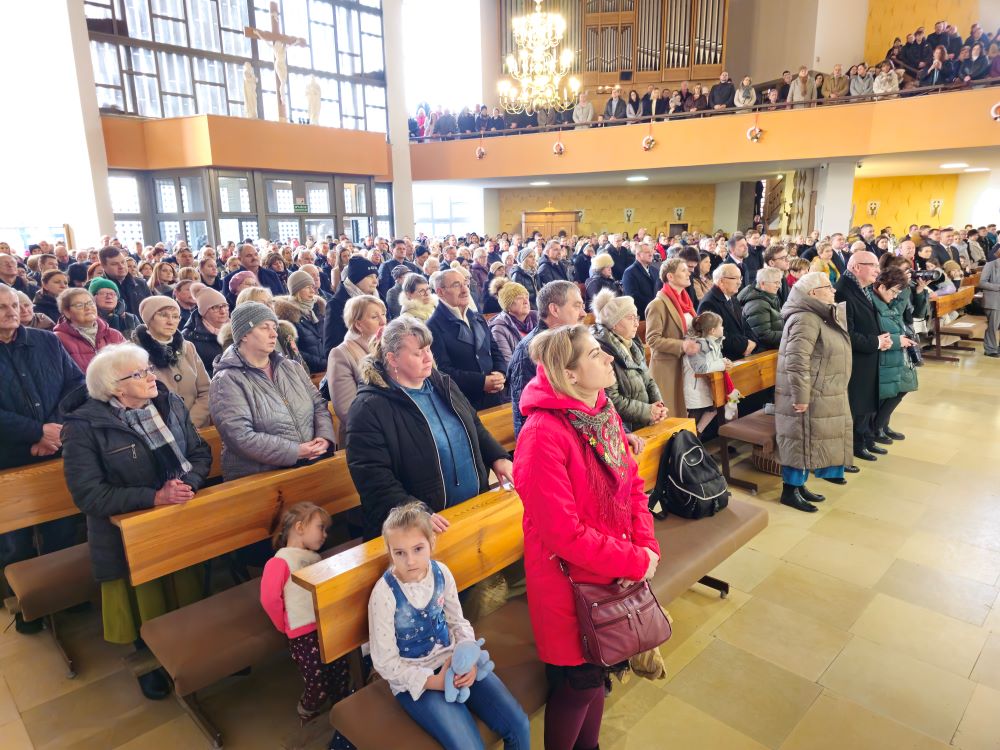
[[755, 373], [952, 302], [972, 280], [484, 537], [224, 518]]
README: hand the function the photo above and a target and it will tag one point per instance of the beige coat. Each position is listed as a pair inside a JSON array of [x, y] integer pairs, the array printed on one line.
[[192, 386], [814, 368], [343, 376], [664, 336]]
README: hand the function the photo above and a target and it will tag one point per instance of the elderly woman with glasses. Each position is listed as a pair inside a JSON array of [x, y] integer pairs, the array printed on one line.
[[128, 445], [812, 413], [81, 331]]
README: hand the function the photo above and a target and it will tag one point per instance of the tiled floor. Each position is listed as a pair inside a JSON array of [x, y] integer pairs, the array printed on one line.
[[873, 624]]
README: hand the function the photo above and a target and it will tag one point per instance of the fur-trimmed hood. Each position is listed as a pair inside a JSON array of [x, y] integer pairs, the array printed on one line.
[[286, 309], [160, 355]]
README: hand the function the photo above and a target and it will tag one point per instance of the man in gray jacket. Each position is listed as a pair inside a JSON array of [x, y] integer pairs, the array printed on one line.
[[989, 282]]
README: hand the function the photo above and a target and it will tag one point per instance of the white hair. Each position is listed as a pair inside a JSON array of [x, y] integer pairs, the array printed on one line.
[[438, 280], [721, 269], [768, 274], [812, 280], [104, 370]]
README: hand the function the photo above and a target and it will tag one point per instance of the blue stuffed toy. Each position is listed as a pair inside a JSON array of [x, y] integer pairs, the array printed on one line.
[[467, 654]]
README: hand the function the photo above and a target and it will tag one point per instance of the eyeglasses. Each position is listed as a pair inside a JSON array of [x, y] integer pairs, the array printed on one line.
[[458, 285], [139, 374], [168, 317], [825, 286], [867, 264], [82, 305]]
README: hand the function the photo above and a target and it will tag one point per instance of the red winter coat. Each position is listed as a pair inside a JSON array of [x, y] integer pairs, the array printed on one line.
[[558, 477], [81, 350]]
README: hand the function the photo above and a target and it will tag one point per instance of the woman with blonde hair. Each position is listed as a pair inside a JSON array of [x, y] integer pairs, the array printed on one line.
[[823, 262], [364, 317], [162, 279], [586, 518]]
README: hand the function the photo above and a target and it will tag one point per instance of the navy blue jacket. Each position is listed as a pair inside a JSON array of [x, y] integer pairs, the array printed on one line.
[[385, 282], [334, 328], [132, 291], [467, 355], [520, 371], [639, 284], [623, 258], [265, 276], [36, 372], [549, 271]]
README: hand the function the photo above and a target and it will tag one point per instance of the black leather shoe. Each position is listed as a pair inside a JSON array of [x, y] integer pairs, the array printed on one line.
[[835, 480], [876, 450], [790, 496], [27, 627], [154, 685], [883, 439], [864, 456], [893, 434], [853, 469], [813, 497], [993, 354]]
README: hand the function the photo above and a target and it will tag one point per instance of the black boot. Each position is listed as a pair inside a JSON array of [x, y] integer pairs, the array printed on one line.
[[812, 497], [154, 685], [893, 434], [877, 450], [835, 480], [790, 496]]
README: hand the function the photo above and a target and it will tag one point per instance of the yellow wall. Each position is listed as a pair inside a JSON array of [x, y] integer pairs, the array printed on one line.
[[604, 207], [888, 19], [905, 200]]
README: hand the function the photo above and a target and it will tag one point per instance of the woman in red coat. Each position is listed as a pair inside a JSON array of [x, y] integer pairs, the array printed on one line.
[[583, 503], [81, 330]]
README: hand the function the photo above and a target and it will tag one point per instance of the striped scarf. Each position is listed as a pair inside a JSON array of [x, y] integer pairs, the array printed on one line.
[[149, 425]]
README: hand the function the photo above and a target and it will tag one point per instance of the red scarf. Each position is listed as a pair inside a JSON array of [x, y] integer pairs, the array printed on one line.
[[682, 303]]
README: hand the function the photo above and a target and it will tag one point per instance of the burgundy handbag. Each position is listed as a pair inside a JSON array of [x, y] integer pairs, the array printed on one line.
[[617, 623]]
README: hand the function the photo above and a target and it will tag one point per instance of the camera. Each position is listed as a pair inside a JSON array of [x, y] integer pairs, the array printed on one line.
[[925, 275]]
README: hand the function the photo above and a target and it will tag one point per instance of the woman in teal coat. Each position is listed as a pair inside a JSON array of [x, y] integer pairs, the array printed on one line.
[[896, 373]]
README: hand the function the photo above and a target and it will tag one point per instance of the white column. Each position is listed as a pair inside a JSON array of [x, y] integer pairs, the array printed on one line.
[[491, 211], [727, 207], [52, 150], [489, 51], [834, 196], [841, 26], [399, 136], [977, 199]]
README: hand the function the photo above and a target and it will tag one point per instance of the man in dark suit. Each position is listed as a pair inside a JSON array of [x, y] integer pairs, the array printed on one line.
[[776, 256], [385, 280], [738, 250], [463, 347], [867, 340], [638, 281], [721, 299], [620, 254], [550, 267], [615, 108], [867, 234], [841, 253], [934, 238]]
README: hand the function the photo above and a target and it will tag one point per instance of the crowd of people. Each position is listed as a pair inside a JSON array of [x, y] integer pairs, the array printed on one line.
[[115, 371], [941, 58]]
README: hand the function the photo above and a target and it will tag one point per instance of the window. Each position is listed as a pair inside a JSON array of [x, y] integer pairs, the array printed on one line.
[[181, 208], [170, 58], [383, 210]]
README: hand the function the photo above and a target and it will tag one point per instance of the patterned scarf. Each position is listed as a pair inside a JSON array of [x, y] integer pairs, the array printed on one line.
[[602, 433], [147, 423], [866, 289], [306, 308], [682, 303]]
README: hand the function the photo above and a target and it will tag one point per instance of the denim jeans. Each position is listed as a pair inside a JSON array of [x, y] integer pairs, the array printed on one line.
[[453, 725]]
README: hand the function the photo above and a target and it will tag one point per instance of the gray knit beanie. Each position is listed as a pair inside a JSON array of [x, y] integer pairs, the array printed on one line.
[[299, 280], [248, 316]]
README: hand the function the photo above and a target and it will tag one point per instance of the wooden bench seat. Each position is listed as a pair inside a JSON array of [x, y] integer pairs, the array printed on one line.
[[940, 307], [757, 429]]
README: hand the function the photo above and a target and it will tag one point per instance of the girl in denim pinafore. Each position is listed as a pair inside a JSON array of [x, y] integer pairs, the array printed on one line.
[[415, 620]]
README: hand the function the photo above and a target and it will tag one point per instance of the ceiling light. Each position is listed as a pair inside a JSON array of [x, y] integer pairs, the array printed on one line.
[[977, 169], [540, 183], [636, 178], [954, 165]]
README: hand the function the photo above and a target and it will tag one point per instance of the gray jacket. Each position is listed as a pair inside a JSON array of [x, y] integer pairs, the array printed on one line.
[[989, 282], [262, 422]]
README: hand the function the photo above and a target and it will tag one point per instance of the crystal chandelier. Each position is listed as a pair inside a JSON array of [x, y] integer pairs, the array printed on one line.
[[537, 70]]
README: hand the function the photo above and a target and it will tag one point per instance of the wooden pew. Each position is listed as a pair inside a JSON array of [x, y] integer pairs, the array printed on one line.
[[940, 307], [750, 375], [973, 279], [234, 514], [485, 537]]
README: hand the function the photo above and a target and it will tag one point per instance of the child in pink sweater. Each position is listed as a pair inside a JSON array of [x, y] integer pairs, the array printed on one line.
[[299, 537]]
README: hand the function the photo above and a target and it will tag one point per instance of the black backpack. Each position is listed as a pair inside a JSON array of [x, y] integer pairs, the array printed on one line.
[[688, 483]]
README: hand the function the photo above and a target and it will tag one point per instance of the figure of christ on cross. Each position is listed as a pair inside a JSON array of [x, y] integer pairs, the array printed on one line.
[[278, 41]]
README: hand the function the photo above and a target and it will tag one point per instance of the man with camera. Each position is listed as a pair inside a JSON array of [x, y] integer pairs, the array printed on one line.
[[867, 340]]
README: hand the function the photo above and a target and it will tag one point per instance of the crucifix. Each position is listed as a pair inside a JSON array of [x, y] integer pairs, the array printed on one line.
[[278, 41]]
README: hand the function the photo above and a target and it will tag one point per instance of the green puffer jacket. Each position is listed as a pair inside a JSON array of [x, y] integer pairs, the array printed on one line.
[[895, 374], [634, 390], [762, 312]]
